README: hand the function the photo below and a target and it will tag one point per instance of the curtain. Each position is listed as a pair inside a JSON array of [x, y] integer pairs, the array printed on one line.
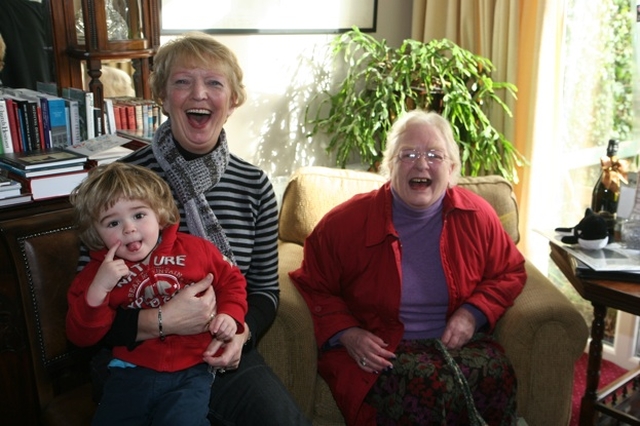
[[523, 40], [485, 27]]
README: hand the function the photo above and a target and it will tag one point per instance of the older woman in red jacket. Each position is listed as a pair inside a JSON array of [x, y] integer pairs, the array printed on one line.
[[405, 284]]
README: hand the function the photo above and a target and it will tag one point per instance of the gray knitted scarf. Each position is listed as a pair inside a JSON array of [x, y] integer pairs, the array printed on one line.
[[190, 180]]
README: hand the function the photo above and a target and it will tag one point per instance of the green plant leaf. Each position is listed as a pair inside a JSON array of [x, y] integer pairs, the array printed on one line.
[[381, 83]]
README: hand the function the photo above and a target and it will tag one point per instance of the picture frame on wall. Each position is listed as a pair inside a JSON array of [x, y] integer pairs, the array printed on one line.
[[267, 17]]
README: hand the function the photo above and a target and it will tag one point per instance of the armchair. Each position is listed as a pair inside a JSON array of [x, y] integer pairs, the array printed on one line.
[[543, 334]]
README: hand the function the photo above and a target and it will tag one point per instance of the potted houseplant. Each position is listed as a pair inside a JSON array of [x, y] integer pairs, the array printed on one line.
[[382, 82]]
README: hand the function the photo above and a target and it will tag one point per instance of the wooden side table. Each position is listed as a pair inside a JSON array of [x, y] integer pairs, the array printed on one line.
[[621, 399]]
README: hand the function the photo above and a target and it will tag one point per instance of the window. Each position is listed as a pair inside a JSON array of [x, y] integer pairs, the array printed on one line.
[[598, 102]]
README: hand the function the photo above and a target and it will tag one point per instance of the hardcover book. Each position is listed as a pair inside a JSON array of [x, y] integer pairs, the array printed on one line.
[[11, 189], [5, 128], [54, 117], [50, 186], [14, 123], [44, 171], [39, 159], [29, 108], [73, 120], [85, 109], [110, 117], [16, 199]]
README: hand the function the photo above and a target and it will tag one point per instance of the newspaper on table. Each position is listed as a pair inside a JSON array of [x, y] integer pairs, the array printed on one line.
[[613, 257]]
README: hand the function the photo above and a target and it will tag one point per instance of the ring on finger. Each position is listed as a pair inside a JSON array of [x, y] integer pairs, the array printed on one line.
[[221, 370], [363, 362]]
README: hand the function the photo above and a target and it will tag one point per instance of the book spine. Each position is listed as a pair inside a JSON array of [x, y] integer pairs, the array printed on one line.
[[144, 121], [75, 122], [5, 129], [46, 122], [139, 116], [24, 127], [60, 136], [66, 109], [25, 183], [43, 187], [91, 133], [149, 117], [97, 122], [36, 142], [43, 142], [31, 124], [79, 97], [14, 124], [131, 117], [12, 169], [154, 123], [110, 115], [117, 112]]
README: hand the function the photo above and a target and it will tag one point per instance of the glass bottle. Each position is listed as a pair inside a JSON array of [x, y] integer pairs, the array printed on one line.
[[606, 192]]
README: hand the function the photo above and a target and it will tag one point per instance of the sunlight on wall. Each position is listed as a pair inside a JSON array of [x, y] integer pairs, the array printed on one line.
[[281, 73], [280, 82]]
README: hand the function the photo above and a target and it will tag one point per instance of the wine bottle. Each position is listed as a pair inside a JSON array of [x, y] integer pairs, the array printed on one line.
[[606, 192]]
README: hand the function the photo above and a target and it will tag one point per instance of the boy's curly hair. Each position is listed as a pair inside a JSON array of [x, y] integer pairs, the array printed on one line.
[[107, 184]]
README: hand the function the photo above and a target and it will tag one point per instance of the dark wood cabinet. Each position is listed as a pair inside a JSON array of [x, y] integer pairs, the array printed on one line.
[[70, 48], [80, 35], [92, 31]]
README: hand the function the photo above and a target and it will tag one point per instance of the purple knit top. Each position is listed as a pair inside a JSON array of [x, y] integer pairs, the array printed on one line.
[[425, 297]]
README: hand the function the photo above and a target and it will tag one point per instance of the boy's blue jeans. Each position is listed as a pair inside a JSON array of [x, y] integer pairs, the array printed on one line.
[[137, 396]]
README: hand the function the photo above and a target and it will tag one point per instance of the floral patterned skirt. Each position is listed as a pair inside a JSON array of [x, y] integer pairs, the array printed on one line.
[[425, 386]]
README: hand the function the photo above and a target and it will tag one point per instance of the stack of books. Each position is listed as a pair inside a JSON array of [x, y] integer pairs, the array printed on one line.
[[133, 116], [32, 120], [46, 173], [11, 192]]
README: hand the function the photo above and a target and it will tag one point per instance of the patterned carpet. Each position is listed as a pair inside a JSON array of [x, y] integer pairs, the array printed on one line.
[[608, 373]]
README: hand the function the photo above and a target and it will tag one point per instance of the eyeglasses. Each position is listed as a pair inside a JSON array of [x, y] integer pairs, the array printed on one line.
[[410, 156]]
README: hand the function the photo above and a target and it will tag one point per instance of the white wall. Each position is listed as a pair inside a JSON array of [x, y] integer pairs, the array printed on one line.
[[279, 76]]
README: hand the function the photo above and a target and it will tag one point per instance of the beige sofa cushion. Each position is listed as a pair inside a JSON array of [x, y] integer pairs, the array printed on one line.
[[499, 193], [302, 209]]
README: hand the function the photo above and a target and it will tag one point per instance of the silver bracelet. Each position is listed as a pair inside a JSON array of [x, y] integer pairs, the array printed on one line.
[[160, 330]]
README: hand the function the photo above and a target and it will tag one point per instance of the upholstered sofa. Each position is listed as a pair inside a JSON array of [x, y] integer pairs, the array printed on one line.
[[543, 334], [46, 380]]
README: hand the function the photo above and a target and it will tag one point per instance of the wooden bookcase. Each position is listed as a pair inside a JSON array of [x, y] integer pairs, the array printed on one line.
[[70, 47]]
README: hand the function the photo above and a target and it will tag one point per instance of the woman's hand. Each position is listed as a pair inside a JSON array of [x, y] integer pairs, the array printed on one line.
[[229, 358], [459, 329], [191, 310], [367, 349]]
